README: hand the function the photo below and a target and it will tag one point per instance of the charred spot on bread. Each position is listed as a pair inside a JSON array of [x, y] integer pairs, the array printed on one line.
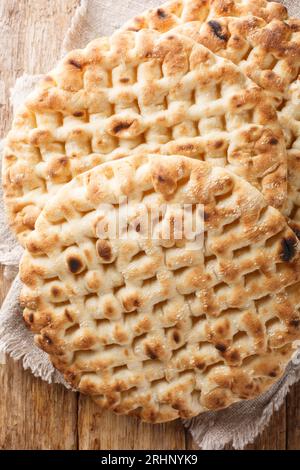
[[221, 347], [75, 265], [30, 318], [47, 339], [217, 30], [295, 322], [161, 13], [75, 64], [151, 352], [176, 337], [121, 127], [288, 249], [104, 250]]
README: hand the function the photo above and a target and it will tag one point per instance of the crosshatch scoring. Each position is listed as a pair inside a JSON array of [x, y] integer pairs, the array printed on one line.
[[132, 92], [147, 327], [266, 47]]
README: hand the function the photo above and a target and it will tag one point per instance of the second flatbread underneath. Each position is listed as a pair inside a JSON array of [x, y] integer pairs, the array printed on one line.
[[133, 91]]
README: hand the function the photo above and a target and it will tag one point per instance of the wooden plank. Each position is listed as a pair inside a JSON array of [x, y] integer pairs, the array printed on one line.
[[168, 436], [274, 435], [33, 415], [98, 430], [293, 418], [104, 430], [32, 32]]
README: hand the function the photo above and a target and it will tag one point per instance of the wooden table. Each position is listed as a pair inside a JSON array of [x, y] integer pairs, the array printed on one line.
[[34, 415]]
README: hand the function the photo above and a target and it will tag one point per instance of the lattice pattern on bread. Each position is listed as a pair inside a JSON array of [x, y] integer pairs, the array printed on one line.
[[146, 325], [132, 91], [290, 121], [266, 47], [268, 53], [176, 12]]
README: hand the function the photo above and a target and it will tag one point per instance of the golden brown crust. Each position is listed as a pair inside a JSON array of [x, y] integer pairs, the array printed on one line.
[[290, 121], [274, 64], [138, 90], [268, 53], [265, 46], [176, 12], [147, 325]]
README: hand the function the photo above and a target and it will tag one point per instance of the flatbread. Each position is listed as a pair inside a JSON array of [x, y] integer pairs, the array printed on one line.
[[266, 47], [290, 121], [161, 326], [177, 12], [135, 91]]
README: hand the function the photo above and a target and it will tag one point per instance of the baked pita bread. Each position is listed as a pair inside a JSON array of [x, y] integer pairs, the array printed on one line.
[[132, 92], [159, 326], [266, 47]]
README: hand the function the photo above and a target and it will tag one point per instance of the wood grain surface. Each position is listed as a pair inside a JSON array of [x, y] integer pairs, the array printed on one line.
[[33, 414]]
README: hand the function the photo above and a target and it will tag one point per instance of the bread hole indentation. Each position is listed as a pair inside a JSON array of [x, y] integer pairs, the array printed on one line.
[[242, 252], [72, 329], [254, 276]]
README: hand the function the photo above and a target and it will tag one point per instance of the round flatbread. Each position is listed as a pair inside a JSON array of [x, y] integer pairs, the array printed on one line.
[[136, 91], [153, 321]]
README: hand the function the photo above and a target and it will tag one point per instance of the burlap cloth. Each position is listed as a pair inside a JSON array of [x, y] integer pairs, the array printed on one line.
[[239, 424]]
